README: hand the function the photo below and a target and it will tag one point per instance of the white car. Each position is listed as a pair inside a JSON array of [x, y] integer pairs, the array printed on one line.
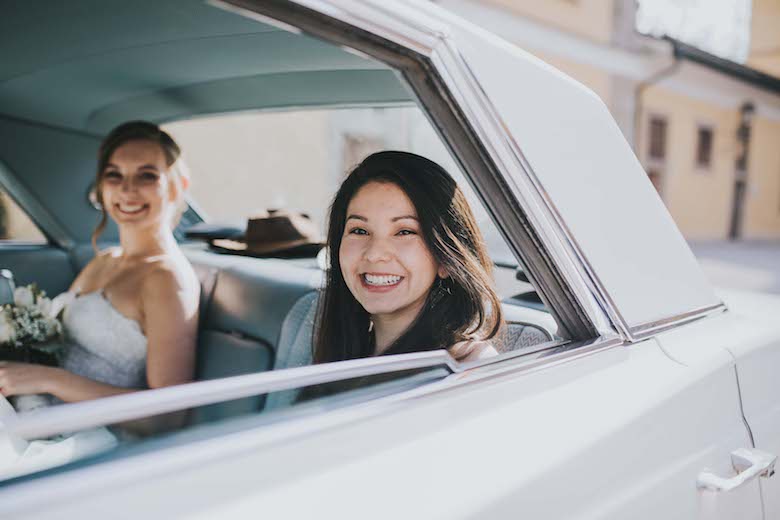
[[644, 393]]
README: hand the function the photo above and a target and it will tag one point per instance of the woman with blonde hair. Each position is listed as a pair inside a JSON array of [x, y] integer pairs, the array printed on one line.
[[130, 317]]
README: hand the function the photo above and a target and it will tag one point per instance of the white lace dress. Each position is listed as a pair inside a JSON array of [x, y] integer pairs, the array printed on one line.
[[103, 345]]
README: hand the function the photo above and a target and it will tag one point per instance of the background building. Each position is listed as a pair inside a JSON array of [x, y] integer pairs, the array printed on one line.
[[688, 114]]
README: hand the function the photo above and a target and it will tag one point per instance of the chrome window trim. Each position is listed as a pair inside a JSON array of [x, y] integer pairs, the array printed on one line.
[[83, 415], [651, 328], [592, 295], [67, 418]]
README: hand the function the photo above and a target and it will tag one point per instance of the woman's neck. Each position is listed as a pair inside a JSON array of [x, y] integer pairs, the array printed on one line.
[[389, 327], [137, 243]]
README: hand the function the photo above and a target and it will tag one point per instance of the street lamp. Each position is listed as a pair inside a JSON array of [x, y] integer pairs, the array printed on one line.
[[746, 112]]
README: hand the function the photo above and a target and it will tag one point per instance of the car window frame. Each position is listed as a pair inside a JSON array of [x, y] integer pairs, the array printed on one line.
[[571, 299]]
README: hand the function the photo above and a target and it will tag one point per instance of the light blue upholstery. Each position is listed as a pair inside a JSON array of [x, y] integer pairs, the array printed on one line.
[[295, 345], [518, 335]]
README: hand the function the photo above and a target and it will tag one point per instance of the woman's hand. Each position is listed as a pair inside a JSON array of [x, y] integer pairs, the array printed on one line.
[[25, 378]]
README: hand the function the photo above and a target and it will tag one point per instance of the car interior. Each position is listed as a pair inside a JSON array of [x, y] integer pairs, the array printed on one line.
[[74, 70]]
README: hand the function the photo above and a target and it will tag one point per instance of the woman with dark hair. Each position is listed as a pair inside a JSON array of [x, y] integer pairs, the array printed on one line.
[[408, 270], [131, 315]]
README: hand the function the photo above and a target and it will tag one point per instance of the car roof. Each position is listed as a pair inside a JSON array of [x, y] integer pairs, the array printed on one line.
[[91, 64]]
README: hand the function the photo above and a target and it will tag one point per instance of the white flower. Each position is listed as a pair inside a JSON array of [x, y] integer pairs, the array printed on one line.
[[44, 305], [23, 297], [7, 327], [59, 302]]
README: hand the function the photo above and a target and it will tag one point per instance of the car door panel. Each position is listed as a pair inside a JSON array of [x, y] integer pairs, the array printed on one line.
[[752, 335], [621, 433]]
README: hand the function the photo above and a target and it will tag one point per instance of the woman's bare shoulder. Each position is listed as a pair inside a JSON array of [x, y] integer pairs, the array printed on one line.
[[472, 350], [170, 273]]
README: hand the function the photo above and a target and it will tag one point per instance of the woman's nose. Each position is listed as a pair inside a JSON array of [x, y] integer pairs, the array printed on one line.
[[127, 184], [378, 250]]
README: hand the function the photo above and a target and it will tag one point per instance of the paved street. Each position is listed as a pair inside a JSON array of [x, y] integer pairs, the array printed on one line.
[[749, 265]]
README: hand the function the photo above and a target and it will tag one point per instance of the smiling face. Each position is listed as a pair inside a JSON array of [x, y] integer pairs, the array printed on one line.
[[136, 185], [384, 260]]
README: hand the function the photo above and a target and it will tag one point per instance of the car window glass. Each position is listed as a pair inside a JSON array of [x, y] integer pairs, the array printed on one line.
[[15, 225]]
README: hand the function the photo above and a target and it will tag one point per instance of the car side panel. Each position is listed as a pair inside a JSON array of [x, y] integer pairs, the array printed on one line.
[[621, 433], [752, 335]]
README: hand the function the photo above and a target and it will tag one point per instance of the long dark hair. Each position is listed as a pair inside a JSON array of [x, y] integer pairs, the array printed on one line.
[[462, 306], [131, 131]]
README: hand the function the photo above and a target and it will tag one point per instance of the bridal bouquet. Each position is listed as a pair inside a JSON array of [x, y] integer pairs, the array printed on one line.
[[30, 330]]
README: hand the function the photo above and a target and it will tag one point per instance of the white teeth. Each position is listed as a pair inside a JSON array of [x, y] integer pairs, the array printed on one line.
[[372, 279], [130, 209]]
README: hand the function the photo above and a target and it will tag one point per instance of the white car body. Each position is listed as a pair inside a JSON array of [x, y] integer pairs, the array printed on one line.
[[634, 423]]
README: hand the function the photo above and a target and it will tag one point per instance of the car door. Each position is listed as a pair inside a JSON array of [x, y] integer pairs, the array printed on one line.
[[610, 432], [752, 336]]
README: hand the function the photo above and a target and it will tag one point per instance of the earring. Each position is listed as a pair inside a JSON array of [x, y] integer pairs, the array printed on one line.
[[439, 292]]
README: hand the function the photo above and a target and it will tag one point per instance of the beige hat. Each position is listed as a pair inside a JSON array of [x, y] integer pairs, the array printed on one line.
[[273, 232]]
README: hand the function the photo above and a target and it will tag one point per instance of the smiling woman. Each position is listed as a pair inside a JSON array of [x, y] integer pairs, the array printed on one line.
[[409, 269], [138, 169]]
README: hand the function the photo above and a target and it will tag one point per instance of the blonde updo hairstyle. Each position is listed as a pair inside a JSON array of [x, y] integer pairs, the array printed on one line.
[[139, 131]]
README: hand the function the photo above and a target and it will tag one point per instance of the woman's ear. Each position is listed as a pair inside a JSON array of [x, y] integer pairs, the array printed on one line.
[[177, 186], [442, 272]]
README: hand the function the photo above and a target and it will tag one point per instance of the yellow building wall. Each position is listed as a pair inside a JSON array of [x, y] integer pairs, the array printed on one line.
[[765, 36], [592, 19], [699, 200], [762, 212]]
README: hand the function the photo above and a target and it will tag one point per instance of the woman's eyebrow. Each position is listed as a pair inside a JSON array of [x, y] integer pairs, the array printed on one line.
[[396, 219], [357, 217], [143, 167]]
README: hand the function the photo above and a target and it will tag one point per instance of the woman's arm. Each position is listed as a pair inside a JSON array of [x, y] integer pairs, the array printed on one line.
[[170, 309], [472, 350], [25, 378], [171, 317]]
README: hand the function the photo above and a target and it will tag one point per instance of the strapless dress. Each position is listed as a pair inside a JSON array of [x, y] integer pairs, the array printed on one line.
[[102, 345]]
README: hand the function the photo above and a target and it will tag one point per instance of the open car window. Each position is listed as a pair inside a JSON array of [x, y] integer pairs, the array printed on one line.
[[252, 147], [248, 162]]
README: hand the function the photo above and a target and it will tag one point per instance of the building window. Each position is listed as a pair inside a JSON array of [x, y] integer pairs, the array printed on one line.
[[657, 138], [655, 161], [655, 178], [704, 147]]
